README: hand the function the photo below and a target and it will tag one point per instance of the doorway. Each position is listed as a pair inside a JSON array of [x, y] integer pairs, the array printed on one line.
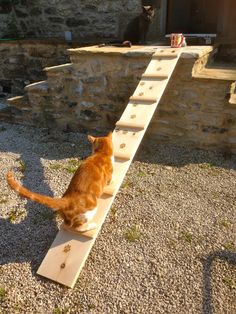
[[192, 16]]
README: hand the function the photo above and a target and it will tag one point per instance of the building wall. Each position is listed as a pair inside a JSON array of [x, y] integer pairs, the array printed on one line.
[[90, 20]]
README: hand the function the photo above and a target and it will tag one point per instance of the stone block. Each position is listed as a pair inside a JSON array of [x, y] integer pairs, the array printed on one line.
[[55, 19], [51, 11], [86, 104], [213, 129], [77, 21], [21, 13]]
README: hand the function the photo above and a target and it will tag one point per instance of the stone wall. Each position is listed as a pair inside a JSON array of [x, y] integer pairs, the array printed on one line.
[[88, 21], [22, 62], [195, 112], [91, 93]]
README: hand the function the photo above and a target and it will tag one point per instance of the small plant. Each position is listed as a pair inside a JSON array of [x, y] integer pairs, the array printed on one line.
[[72, 165], [141, 174], [187, 237], [2, 293], [13, 215], [22, 165], [56, 166], [229, 246], [226, 224], [133, 234], [206, 165], [3, 201], [127, 184], [113, 211], [58, 310], [17, 309], [229, 283], [91, 306]]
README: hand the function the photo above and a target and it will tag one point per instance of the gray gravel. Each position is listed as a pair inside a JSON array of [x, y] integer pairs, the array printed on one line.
[[180, 202]]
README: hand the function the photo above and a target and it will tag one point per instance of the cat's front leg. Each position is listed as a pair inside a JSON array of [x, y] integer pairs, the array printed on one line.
[[143, 38], [111, 179]]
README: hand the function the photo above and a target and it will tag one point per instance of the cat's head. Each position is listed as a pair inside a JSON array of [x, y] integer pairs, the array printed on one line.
[[102, 144], [148, 12]]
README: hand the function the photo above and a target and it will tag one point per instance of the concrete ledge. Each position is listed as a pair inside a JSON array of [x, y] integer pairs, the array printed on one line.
[[191, 52]]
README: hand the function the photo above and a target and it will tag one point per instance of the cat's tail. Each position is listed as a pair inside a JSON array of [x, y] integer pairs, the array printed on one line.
[[54, 203]]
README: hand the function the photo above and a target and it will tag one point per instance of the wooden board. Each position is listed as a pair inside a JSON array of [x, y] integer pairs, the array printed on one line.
[[69, 251]]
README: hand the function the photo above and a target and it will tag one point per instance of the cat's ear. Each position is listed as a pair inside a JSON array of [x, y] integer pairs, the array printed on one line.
[[91, 138], [147, 8]]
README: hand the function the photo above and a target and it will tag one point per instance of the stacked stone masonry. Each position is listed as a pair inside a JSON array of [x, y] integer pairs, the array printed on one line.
[[22, 62], [91, 92], [87, 21]]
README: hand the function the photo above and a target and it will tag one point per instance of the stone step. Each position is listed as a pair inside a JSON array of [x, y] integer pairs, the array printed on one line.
[[59, 69], [19, 102], [217, 73], [40, 88]]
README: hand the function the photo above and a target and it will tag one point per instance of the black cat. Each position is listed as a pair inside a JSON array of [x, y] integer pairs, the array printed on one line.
[[137, 29]]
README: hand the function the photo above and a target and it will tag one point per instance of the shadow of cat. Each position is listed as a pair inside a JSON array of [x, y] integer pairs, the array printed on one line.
[[29, 240]]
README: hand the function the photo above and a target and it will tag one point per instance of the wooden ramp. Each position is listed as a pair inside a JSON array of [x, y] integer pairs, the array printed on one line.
[[69, 251]]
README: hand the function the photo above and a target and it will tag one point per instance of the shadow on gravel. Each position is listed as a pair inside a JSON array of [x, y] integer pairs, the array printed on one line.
[[226, 256], [178, 156], [30, 239]]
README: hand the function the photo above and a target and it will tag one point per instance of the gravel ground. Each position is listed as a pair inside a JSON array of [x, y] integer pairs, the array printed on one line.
[[167, 246]]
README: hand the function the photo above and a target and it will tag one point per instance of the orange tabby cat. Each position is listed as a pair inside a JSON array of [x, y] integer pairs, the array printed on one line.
[[79, 203]]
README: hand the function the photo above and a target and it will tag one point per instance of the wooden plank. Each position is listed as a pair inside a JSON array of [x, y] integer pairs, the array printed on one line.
[[155, 75], [167, 53], [164, 55], [130, 124], [69, 251], [125, 141], [140, 98]]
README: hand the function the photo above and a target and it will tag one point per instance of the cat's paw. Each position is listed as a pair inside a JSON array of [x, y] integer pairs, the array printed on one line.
[[92, 225], [87, 227]]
